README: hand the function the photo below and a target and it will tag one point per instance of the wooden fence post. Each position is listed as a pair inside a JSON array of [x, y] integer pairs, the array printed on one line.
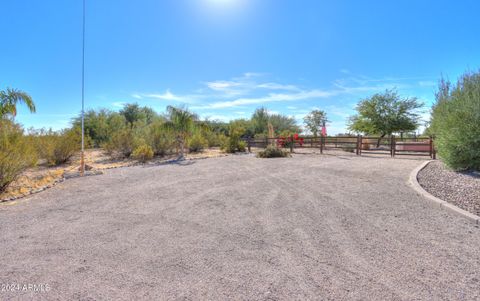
[[321, 144], [291, 143], [392, 146], [433, 154], [359, 144], [249, 144]]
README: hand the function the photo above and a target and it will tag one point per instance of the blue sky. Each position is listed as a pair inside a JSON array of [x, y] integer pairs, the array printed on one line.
[[224, 58]]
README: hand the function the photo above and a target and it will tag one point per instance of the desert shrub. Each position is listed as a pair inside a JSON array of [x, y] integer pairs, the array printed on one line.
[[143, 153], [68, 142], [242, 146], [221, 140], [214, 139], [272, 152], [160, 139], [58, 147], [233, 143], [121, 144], [456, 122], [16, 153], [197, 143]]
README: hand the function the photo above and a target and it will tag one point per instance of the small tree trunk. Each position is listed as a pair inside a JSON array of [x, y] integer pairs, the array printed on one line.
[[182, 150], [380, 140]]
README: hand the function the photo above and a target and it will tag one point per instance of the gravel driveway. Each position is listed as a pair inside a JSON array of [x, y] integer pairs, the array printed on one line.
[[242, 228]]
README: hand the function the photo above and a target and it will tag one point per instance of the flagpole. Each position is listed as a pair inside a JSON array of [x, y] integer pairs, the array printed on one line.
[[82, 162]]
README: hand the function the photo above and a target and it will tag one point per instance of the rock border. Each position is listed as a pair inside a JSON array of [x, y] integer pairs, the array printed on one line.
[[413, 180]]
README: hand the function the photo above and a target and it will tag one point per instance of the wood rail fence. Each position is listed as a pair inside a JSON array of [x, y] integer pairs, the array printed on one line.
[[392, 145]]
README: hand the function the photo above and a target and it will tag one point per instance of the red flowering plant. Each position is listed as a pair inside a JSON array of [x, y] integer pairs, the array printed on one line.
[[289, 141]]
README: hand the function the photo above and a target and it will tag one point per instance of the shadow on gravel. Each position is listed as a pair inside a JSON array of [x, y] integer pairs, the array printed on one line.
[[179, 162]]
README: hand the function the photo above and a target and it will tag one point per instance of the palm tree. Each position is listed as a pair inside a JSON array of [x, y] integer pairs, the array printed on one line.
[[10, 98], [181, 122]]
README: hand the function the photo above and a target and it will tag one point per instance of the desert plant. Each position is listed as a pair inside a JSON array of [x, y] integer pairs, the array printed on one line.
[[456, 122], [160, 139], [58, 147], [16, 153], [384, 114], [314, 121], [9, 99], [272, 152], [233, 143], [242, 146], [181, 122], [121, 144], [197, 143], [143, 153]]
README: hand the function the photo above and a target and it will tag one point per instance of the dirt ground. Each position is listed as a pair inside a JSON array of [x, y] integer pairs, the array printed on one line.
[[42, 176], [308, 227]]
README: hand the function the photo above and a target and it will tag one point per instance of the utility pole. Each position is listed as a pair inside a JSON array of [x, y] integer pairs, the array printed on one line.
[[82, 160]]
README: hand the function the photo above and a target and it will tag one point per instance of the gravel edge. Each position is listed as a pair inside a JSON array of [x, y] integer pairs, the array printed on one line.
[[413, 181]]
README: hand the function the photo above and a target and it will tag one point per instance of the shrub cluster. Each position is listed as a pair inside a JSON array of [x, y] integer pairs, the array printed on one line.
[[143, 153], [273, 152], [16, 153], [233, 143], [56, 147], [197, 143], [456, 122]]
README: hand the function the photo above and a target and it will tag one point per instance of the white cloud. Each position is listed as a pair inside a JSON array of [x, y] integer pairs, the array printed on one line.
[[169, 96], [164, 96], [118, 104], [272, 97], [276, 86], [222, 85]]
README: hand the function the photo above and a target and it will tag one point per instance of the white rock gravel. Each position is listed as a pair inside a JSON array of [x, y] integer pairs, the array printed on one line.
[[459, 188]]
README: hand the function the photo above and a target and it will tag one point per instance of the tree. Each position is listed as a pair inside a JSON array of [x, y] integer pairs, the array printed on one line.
[[260, 120], [384, 114], [282, 124], [181, 122], [456, 122], [315, 120], [133, 113], [10, 98]]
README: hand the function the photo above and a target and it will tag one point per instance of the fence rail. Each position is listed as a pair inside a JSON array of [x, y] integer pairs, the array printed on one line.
[[418, 146]]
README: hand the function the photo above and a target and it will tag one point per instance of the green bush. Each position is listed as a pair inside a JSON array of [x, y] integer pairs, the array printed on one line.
[[242, 146], [197, 143], [16, 153], [122, 143], [456, 122], [58, 147], [143, 153], [272, 152], [160, 139], [234, 144]]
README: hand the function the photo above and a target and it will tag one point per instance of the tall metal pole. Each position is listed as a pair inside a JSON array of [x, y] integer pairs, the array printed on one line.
[[82, 162]]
